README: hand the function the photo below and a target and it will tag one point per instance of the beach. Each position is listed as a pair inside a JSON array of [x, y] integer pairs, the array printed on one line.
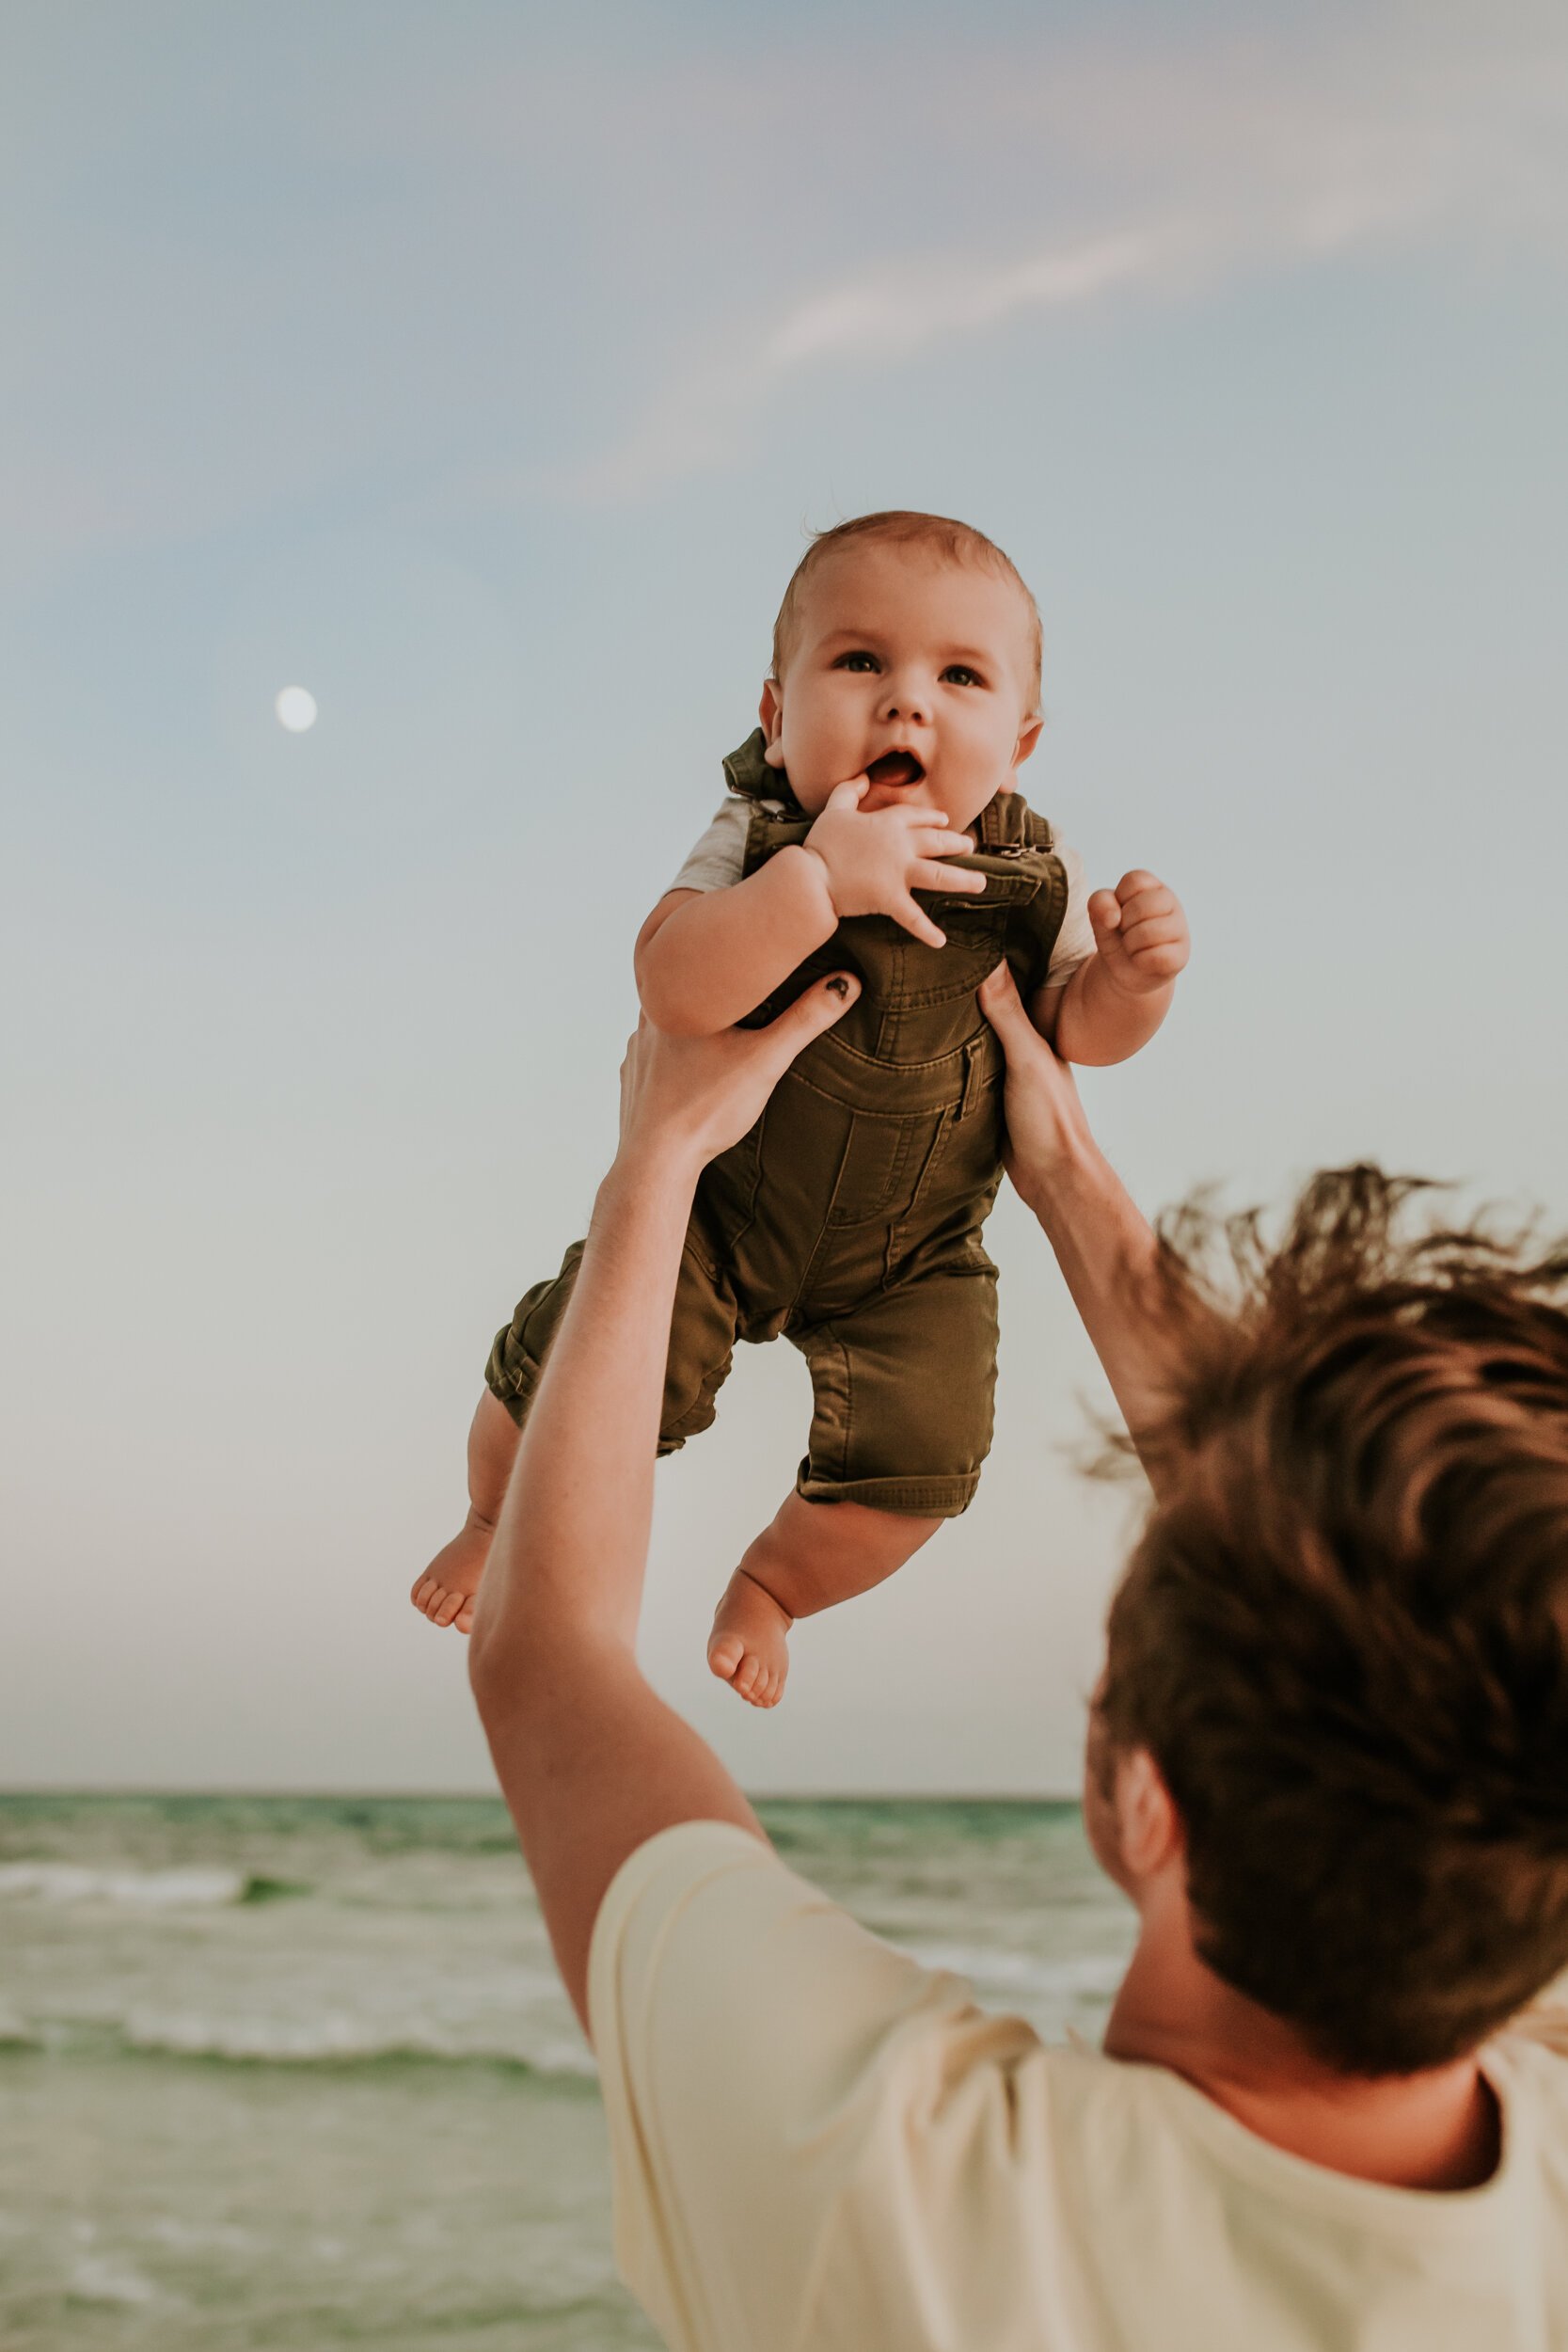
[[296, 2071]]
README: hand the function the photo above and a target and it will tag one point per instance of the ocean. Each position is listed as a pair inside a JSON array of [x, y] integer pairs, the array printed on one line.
[[296, 2071]]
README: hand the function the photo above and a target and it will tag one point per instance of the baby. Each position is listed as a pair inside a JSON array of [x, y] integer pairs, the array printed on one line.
[[873, 824]]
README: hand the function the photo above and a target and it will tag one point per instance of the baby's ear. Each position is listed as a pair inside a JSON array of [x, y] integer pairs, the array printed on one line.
[[1028, 735], [771, 712]]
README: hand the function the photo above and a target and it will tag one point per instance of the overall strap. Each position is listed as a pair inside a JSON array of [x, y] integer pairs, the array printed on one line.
[[747, 771], [1009, 827], [748, 775]]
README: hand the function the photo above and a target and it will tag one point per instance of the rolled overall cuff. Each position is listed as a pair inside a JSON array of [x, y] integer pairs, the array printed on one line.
[[921, 1497], [511, 1378]]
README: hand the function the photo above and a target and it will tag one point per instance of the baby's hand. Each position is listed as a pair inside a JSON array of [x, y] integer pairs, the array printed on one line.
[[1140, 932], [876, 860]]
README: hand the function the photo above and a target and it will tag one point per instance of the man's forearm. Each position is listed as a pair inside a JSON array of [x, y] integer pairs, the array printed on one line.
[[591, 1761], [1110, 1260], [717, 958], [1097, 1023], [572, 1540]]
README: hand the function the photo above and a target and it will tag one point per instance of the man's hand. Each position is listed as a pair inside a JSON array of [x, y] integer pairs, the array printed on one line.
[[1047, 1132], [1141, 934], [876, 860], [691, 1097]]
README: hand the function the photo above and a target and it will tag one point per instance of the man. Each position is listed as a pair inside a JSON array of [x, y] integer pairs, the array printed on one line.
[[1328, 1762]]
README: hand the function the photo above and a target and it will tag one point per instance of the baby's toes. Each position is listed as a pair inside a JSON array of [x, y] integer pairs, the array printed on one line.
[[770, 1688], [724, 1654], [463, 1620], [446, 1608], [748, 1674]]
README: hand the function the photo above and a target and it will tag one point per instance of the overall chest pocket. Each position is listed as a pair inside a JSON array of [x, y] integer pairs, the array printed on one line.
[[926, 1006]]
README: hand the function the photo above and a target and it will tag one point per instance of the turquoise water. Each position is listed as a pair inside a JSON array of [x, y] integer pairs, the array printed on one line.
[[296, 2071]]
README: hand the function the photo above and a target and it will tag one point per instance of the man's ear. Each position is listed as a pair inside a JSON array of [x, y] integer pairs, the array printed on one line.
[[1147, 1823], [771, 712]]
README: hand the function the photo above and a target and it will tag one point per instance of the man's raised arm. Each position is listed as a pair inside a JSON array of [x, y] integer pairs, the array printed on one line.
[[1108, 1252], [591, 1762]]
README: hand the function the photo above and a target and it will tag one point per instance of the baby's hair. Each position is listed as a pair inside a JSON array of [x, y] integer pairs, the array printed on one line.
[[958, 543]]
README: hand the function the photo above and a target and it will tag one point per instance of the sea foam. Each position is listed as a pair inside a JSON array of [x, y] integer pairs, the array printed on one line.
[[145, 1890], [339, 2039], [1089, 1975]]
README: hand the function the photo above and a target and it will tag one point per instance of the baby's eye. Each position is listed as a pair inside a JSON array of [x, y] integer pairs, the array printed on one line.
[[858, 659], [960, 673]]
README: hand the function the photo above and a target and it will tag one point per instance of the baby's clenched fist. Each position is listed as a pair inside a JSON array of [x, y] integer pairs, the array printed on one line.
[[876, 860], [1140, 932]]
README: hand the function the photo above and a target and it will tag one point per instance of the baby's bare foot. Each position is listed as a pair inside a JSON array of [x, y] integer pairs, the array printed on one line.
[[747, 1648], [445, 1591]]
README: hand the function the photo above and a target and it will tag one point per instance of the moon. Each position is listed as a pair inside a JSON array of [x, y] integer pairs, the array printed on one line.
[[296, 710]]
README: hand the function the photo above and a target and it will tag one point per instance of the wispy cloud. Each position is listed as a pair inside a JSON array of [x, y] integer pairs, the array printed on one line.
[[895, 318]]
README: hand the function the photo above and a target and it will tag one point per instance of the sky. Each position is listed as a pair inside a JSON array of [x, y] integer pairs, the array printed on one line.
[[481, 369]]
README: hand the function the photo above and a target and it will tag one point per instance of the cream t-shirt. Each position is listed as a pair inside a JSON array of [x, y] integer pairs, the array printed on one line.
[[820, 2146], [719, 859]]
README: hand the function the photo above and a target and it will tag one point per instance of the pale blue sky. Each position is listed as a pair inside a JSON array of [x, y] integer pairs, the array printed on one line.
[[480, 367]]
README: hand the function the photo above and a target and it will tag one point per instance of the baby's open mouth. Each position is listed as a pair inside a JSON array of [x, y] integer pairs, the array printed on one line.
[[896, 768]]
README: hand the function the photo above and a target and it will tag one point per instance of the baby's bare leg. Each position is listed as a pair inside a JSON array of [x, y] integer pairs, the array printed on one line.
[[445, 1591], [814, 1555]]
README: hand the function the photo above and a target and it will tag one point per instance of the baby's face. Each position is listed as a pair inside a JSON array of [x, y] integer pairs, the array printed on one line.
[[909, 668]]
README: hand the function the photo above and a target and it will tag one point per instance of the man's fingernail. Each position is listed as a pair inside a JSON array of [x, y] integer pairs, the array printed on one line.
[[838, 987]]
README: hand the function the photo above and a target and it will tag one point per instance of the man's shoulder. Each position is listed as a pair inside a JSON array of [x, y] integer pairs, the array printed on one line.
[[666, 1867], [704, 1925], [1529, 2068], [1532, 2059]]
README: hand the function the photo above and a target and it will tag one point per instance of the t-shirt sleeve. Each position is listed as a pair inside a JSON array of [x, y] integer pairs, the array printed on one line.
[[1075, 940], [718, 858], [752, 2041]]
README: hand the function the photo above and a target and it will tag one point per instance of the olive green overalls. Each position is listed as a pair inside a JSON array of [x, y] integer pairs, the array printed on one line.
[[849, 1217]]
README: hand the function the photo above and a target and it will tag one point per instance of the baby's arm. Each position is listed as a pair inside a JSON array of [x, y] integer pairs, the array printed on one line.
[[1115, 1000], [706, 958]]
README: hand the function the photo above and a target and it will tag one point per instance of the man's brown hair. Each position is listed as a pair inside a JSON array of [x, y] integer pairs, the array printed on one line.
[[954, 542], [1343, 1636]]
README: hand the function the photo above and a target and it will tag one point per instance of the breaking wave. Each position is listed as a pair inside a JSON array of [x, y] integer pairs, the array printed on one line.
[[327, 2042], [1027, 1975], [143, 1890], [339, 2041]]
